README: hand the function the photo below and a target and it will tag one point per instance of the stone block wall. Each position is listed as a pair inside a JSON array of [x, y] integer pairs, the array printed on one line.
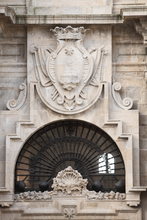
[[13, 67], [124, 35]]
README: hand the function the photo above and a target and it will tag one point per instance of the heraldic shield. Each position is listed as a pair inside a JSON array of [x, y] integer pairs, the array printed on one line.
[[69, 77]]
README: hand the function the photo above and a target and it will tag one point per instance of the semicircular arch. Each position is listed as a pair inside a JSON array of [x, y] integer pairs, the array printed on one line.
[[82, 145]]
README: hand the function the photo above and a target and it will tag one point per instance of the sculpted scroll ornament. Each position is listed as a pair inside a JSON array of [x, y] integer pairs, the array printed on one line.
[[69, 77], [16, 104], [126, 103]]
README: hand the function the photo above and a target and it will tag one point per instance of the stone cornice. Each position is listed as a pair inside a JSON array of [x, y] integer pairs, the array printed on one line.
[[138, 11], [69, 19], [133, 12]]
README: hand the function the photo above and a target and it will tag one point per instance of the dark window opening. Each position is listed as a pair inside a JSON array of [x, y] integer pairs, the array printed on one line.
[[75, 143]]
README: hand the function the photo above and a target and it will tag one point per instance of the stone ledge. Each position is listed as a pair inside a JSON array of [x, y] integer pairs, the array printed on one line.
[[66, 19], [3, 189], [134, 11], [138, 189]]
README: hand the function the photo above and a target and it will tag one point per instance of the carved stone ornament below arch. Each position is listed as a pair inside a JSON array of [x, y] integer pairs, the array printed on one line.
[[70, 77], [69, 182]]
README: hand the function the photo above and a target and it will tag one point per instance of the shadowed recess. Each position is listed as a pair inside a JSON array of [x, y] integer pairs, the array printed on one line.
[[75, 143]]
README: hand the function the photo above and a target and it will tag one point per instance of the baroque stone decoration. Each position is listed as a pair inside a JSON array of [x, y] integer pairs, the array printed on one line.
[[70, 77], [16, 104], [119, 25], [126, 103], [69, 212], [69, 182]]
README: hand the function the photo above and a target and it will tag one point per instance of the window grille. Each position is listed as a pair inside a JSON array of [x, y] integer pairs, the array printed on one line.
[[75, 143]]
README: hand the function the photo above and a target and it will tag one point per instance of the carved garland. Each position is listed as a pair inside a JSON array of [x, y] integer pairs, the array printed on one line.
[[69, 182]]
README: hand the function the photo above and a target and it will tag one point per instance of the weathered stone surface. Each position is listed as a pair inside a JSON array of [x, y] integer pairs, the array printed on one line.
[[55, 89], [69, 182]]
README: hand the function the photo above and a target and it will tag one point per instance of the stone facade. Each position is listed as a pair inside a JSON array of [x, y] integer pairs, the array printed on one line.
[[81, 60]]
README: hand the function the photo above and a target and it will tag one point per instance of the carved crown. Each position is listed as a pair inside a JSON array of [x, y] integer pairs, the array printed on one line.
[[69, 32]]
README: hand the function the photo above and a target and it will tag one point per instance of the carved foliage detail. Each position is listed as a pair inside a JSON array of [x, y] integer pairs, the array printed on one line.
[[69, 182]]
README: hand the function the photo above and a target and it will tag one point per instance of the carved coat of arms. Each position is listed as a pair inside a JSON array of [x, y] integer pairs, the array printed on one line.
[[69, 77]]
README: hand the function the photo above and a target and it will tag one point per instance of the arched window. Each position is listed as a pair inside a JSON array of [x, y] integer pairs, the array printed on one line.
[[75, 143]]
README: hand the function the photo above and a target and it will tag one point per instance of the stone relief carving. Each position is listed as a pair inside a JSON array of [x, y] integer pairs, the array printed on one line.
[[105, 196], [16, 104], [33, 195], [69, 182], [69, 77], [90, 195], [126, 103], [69, 212]]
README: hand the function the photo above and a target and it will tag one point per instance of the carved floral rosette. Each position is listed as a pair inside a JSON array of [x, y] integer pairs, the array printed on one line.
[[69, 77]]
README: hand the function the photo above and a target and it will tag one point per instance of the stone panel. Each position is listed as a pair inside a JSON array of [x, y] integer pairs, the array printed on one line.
[[72, 7], [129, 61], [13, 2], [12, 62], [118, 4]]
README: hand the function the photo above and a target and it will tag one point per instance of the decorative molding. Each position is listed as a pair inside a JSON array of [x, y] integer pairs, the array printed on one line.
[[126, 103], [69, 212], [16, 104], [90, 195], [31, 18], [69, 182], [137, 11], [134, 203], [5, 204], [70, 78], [105, 195], [72, 19], [32, 195]]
